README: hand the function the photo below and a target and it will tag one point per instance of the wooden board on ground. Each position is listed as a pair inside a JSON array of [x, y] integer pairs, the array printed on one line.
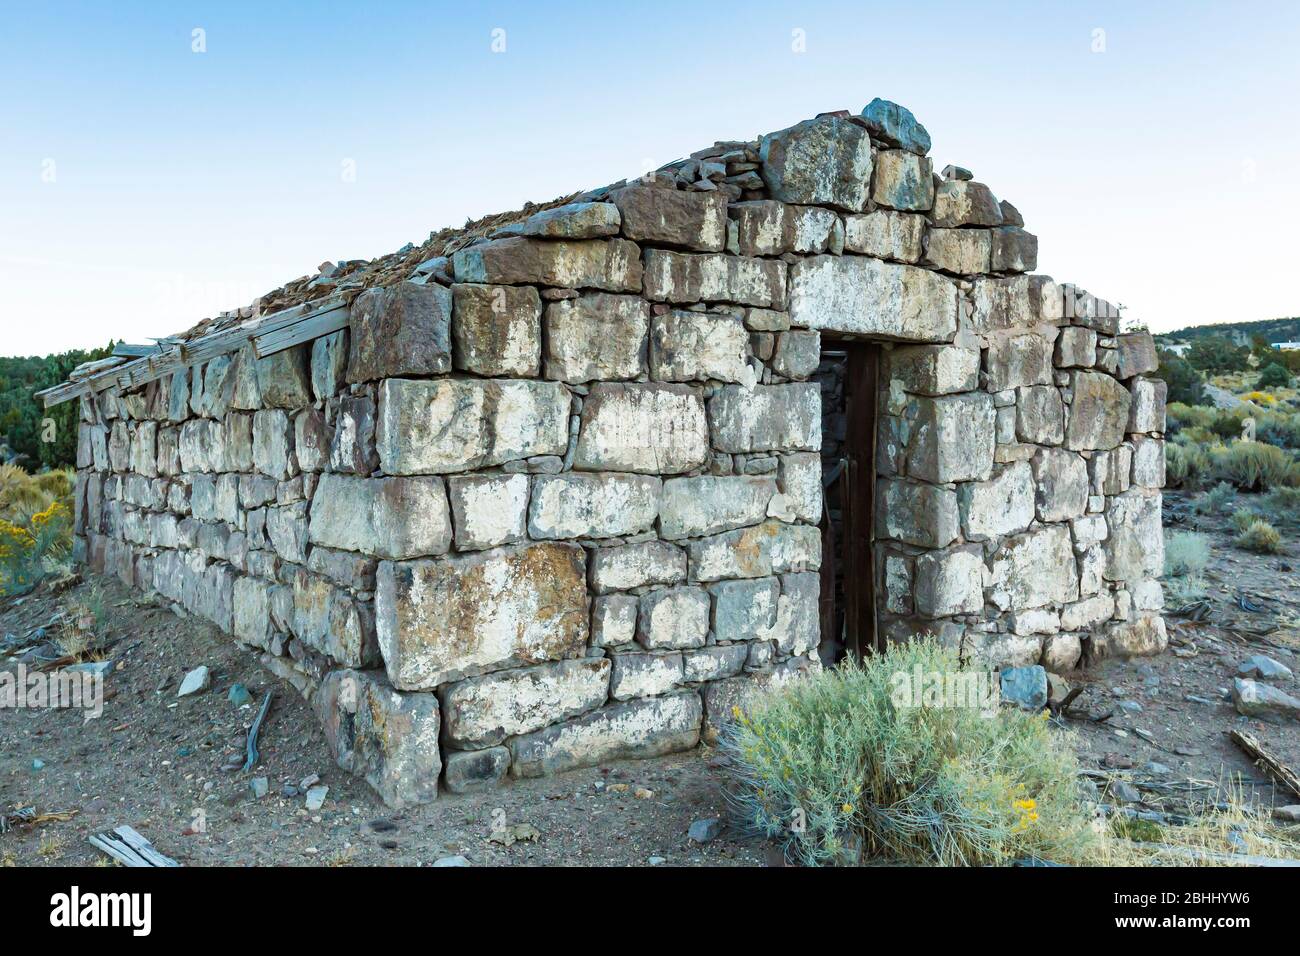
[[1256, 751], [130, 849]]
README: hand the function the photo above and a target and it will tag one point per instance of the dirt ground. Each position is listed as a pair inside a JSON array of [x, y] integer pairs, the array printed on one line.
[[158, 763], [1183, 711]]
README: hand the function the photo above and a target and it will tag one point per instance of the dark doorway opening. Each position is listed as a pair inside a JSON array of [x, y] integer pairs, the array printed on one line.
[[848, 376]]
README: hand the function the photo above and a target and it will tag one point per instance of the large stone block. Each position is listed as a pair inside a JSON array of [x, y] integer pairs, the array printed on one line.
[[251, 612], [1061, 478], [935, 369], [484, 711], [1148, 462], [714, 663], [575, 220], [637, 565], [613, 620], [1139, 637], [332, 622], [800, 479], [352, 446], [596, 336], [961, 251], [714, 277], [673, 618], [692, 220], [1111, 471], [1014, 250], [768, 228], [645, 674], [772, 547], [311, 439], [1137, 354], [707, 504], [476, 771], [1147, 412], [949, 582], [1003, 303], [460, 616], [1034, 569], [393, 518], [766, 417], [885, 234], [1136, 546], [329, 364], [1099, 412], [1076, 347], [960, 202], [697, 347], [283, 379], [273, 444], [1000, 506], [896, 126], [903, 180], [388, 738], [745, 610], [400, 330], [1017, 358], [822, 162], [488, 510], [575, 505], [446, 425], [496, 329], [613, 265], [1040, 415], [857, 294], [916, 513], [656, 429], [647, 727], [953, 438]]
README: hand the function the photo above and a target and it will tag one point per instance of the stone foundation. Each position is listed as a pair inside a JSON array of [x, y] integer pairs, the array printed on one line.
[[554, 499]]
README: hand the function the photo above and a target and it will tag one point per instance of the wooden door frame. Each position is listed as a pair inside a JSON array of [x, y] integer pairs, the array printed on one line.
[[858, 498]]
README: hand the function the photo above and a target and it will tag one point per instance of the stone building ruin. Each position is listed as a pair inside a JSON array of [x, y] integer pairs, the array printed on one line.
[[566, 485]]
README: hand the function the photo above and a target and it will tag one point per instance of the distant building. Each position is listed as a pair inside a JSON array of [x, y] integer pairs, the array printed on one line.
[[1178, 348], [1287, 346]]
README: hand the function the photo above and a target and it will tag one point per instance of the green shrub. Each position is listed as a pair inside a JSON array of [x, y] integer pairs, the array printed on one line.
[[1254, 466], [1217, 354], [840, 767], [1260, 537], [1184, 383], [1177, 464], [1243, 518], [1179, 415], [1186, 552], [1215, 500], [1283, 504], [1274, 376]]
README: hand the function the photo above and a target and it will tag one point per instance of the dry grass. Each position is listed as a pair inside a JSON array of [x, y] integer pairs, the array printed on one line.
[[1213, 837]]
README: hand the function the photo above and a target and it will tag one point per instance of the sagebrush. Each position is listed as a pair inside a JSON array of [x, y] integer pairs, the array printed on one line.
[[839, 772]]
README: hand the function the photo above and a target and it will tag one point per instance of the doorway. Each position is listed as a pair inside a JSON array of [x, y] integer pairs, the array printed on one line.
[[848, 375]]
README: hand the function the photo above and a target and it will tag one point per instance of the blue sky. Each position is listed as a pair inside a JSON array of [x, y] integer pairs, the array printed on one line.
[[144, 186]]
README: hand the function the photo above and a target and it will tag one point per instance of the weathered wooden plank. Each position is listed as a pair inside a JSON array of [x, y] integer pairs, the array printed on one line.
[[279, 330], [118, 850], [1269, 761], [304, 330], [135, 841], [133, 351], [129, 848]]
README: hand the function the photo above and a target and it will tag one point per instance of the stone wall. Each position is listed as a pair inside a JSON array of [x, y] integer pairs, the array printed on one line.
[[554, 500]]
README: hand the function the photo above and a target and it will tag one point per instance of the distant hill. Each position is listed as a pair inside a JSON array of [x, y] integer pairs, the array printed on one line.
[[1273, 330]]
